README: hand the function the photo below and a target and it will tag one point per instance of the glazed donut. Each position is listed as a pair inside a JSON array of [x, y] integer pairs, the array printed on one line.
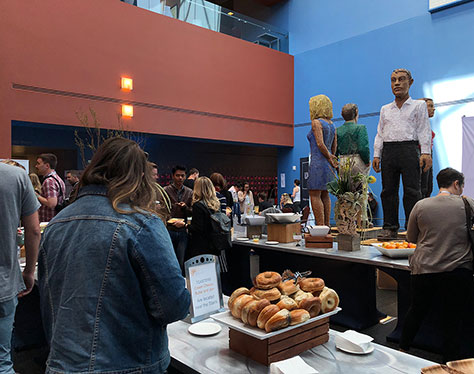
[[236, 294], [312, 305], [270, 295], [300, 295], [287, 303], [278, 321], [266, 314], [311, 284], [254, 312], [329, 300], [288, 287], [239, 303], [298, 316], [246, 310], [267, 280]]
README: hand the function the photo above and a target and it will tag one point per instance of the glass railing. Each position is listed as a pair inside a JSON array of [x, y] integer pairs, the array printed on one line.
[[214, 17]]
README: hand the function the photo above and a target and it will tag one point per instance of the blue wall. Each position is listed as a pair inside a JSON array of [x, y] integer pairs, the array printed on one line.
[[348, 53]]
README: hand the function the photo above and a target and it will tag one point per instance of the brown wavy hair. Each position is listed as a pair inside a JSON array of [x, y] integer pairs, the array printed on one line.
[[122, 166]]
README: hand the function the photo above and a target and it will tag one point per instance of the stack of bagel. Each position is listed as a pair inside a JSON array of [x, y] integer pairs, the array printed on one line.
[[274, 304]]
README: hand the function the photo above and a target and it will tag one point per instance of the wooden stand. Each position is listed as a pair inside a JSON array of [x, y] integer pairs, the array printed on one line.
[[318, 241], [348, 243], [282, 346], [254, 230], [283, 232]]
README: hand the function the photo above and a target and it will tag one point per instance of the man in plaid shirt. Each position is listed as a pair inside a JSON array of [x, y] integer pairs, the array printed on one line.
[[53, 187]]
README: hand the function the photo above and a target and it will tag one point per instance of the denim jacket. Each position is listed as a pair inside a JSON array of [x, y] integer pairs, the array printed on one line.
[[109, 283]]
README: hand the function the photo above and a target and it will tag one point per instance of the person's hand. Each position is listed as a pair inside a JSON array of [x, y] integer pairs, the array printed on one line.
[[179, 224], [376, 164], [181, 204], [426, 161], [333, 161], [29, 279]]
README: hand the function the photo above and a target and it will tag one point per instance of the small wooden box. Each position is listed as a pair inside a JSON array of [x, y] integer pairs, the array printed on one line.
[[281, 346], [318, 241], [283, 232], [254, 230]]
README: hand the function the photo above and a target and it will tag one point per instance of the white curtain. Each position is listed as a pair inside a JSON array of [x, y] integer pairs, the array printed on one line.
[[468, 155]]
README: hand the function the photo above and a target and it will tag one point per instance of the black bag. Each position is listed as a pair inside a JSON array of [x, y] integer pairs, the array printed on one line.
[[60, 205], [470, 225], [469, 222], [220, 233]]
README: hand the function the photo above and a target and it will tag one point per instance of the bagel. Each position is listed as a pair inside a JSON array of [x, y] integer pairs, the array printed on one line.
[[246, 310], [271, 294], [312, 305], [266, 314], [236, 294], [287, 303], [311, 284], [239, 303], [329, 300], [278, 321], [298, 316], [254, 312], [288, 287], [300, 295], [267, 280]]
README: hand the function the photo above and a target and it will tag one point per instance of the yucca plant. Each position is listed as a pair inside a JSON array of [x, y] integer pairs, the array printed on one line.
[[348, 188]]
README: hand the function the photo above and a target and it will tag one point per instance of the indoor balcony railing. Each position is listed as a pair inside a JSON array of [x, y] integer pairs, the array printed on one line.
[[214, 17]]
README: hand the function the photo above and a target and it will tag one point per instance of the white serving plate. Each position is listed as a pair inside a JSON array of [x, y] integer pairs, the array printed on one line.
[[255, 220], [394, 253], [318, 230], [241, 238], [285, 217], [229, 320], [204, 328], [348, 350]]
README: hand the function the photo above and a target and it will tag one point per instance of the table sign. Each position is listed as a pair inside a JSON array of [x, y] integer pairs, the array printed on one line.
[[204, 284]]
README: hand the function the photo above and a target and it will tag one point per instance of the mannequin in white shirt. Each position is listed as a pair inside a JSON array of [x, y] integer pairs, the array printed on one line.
[[403, 128]]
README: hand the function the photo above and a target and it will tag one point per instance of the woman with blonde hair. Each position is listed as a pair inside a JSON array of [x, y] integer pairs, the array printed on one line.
[[323, 143], [286, 205], [204, 203], [35, 181]]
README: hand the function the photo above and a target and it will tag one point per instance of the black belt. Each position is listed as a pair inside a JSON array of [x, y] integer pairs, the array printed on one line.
[[406, 142]]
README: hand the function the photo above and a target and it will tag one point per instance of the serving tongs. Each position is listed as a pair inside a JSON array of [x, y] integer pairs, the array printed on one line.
[[289, 275]]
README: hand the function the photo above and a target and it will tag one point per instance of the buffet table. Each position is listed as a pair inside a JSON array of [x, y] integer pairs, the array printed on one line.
[[351, 274], [194, 354]]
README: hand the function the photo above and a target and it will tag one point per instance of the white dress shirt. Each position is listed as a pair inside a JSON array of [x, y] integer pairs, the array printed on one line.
[[410, 122]]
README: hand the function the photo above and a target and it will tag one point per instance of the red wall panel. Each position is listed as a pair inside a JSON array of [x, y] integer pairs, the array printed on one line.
[[68, 49]]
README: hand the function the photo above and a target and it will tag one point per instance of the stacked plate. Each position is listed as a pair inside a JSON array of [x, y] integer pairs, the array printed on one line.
[[351, 341]]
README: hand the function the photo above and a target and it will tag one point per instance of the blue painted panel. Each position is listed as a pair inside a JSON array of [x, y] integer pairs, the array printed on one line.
[[435, 47]]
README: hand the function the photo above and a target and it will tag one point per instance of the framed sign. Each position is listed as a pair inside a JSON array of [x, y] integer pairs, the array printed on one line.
[[204, 284], [435, 5]]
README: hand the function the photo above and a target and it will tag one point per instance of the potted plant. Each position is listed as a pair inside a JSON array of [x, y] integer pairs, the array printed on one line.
[[349, 188]]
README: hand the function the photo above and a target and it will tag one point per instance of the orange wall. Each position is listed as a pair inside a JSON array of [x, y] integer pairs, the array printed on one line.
[[85, 46]]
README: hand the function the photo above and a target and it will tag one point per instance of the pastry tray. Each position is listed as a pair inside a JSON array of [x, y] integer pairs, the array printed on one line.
[[229, 320]]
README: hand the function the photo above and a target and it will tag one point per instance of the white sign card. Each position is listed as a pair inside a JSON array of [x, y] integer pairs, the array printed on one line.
[[203, 279], [282, 180]]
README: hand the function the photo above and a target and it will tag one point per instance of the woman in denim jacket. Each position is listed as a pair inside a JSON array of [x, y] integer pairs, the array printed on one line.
[[108, 275]]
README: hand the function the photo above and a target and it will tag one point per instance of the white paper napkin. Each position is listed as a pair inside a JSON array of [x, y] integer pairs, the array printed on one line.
[[294, 365], [353, 341]]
